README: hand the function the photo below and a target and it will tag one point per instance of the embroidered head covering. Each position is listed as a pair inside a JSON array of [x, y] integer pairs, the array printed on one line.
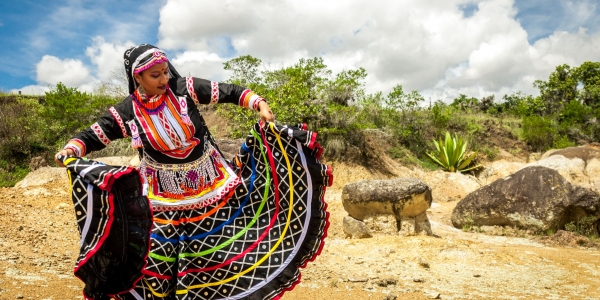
[[140, 58]]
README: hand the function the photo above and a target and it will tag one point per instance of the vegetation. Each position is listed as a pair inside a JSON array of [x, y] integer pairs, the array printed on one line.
[[451, 154], [352, 124]]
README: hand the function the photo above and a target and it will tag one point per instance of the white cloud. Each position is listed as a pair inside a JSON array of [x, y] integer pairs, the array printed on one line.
[[429, 46], [107, 57], [71, 72], [199, 64]]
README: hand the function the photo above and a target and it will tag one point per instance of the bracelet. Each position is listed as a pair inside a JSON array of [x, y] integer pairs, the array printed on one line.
[[257, 103]]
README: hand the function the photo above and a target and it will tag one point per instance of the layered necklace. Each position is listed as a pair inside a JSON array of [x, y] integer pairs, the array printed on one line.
[[151, 104]]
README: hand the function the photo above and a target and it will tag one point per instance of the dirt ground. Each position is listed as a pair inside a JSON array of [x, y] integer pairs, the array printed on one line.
[[39, 243]]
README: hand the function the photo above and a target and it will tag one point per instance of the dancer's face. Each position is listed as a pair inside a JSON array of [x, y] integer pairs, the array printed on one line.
[[154, 80]]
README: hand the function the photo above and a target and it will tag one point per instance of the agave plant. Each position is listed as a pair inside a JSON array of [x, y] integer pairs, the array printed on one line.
[[451, 154]]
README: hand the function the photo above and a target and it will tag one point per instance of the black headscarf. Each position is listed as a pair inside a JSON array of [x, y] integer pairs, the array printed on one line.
[[137, 55]]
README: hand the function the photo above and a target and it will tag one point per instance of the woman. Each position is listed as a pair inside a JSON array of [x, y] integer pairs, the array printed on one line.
[[219, 230]]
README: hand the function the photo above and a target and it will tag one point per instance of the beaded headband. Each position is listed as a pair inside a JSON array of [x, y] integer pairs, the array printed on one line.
[[158, 56]]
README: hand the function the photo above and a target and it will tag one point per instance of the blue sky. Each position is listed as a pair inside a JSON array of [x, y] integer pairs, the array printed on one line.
[[398, 42], [31, 29]]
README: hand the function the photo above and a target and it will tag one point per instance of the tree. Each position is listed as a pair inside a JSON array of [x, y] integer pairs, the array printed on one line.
[[588, 82], [559, 90]]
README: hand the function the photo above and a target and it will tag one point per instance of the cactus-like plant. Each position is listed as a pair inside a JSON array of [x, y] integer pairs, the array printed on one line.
[[451, 154]]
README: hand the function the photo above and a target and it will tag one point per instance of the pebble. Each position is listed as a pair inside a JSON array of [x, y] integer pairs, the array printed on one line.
[[19, 296], [423, 263], [432, 294], [418, 280], [476, 275], [390, 297]]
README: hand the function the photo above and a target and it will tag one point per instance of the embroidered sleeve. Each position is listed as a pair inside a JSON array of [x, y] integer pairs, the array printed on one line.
[[203, 91], [113, 111], [77, 145], [109, 127]]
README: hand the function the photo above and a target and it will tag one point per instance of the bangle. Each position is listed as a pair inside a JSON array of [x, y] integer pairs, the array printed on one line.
[[257, 103]]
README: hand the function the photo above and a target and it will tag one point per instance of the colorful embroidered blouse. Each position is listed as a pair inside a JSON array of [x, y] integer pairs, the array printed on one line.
[[169, 129]]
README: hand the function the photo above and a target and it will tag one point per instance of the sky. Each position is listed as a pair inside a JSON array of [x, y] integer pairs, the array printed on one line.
[[440, 48]]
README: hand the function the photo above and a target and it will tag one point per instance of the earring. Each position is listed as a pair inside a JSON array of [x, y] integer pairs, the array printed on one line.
[[141, 90]]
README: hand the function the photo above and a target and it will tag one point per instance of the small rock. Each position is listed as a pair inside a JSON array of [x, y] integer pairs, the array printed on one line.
[[61, 206], [476, 275], [423, 263], [432, 294], [390, 297], [19, 296], [418, 279], [386, 282], [355, 228]]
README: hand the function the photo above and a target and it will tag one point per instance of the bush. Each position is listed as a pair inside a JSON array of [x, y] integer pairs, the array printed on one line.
[[21, 130], [540, 132]]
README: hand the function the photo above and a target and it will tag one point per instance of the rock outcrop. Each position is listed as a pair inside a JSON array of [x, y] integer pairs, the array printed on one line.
[[535, 198], [386, 206]]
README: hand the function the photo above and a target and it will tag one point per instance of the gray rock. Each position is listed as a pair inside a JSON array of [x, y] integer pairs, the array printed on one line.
[[384, 224], [535, 198], [355, 228], [404, 199], [407, 227]]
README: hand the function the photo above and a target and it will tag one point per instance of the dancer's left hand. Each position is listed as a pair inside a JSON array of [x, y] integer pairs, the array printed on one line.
[[266, 115]]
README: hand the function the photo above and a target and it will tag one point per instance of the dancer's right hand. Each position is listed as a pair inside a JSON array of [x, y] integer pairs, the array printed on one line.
[[64, 152]]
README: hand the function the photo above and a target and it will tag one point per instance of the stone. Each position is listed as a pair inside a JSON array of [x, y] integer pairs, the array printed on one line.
[[37, 162], [499, 169], [422, 225], [229, 148], [432, 294], [354, 228], [423, 263], [535, 198], [390, 297], [135, 161], [62, 206], [383, 205], [42, 176], [407, 227], [572, 169], [401, 197], [382, 224]]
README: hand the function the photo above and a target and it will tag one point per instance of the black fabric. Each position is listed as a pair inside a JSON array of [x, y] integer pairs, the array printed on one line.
[[110, 261]]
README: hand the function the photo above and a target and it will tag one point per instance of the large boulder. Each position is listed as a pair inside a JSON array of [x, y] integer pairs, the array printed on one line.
[[373, 202], [572, 169], [499, 169], [535, 198]]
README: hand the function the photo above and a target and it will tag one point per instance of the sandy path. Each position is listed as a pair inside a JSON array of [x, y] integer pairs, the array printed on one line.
[[38, 245]]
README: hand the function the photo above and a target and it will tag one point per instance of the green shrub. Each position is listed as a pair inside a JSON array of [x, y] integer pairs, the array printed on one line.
[[451, 154], [21, 130], [539, 132]]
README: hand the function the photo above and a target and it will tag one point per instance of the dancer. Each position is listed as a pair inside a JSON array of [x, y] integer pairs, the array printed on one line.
[[190, 224]]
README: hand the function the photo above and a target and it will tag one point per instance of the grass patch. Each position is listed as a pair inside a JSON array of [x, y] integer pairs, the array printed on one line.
[[10, 178]]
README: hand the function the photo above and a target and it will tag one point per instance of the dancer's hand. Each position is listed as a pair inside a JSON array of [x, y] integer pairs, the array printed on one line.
[[64, 152], [266, 115]]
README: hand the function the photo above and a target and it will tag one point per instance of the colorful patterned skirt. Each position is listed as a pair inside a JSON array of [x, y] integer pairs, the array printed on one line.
[[251, 242]]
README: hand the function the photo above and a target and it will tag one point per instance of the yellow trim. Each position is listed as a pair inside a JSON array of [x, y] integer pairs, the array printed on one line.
[[155, 293], [287, 224]]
